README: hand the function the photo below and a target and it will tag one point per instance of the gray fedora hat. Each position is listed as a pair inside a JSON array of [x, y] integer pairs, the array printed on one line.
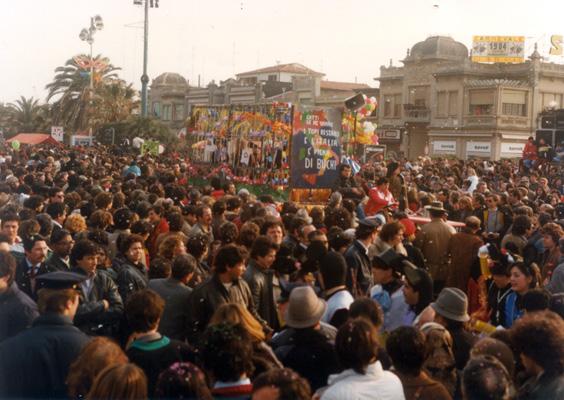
[[452, 303], [436, 206], [305, 309]]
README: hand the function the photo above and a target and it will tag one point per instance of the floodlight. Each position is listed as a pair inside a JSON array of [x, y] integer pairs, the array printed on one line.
[[83, 34], [98, 23]]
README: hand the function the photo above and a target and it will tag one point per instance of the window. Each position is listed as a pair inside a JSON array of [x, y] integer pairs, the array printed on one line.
[[397, 105], [453, 103], [272, 78], [514, 102], [156, 109], [551, 99], [178, 112], [387, 106], [167, 110], [442, 104], [419, 96], [481, 102]]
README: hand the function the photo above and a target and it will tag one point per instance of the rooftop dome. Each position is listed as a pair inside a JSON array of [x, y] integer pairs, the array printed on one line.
[[438, 48], [169, 78]]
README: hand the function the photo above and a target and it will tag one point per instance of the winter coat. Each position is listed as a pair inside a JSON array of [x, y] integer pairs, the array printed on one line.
[[175, 314], [463, 248], [433, 240], [422, 387], [39, 358], [208, 296], [91, 317], [131, 278], [310, 355], [359, 270], [17, 312], [260, 282]]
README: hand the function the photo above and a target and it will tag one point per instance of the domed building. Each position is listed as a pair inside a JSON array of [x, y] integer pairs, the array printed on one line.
[[167, 99], [440, 103], [437, 48]]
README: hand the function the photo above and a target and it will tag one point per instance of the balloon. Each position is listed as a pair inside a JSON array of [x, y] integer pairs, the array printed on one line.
[[15, 144]]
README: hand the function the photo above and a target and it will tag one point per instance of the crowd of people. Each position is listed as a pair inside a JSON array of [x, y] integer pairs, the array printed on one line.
[[424, 279]]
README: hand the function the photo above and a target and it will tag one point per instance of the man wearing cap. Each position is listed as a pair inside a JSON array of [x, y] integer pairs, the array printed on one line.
[[359, 275], [35, 363], [451, 311], [308, 352], [433, 239]]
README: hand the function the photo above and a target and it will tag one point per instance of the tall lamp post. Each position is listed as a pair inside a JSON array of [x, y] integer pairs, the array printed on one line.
[[87, 35], [145, 77]]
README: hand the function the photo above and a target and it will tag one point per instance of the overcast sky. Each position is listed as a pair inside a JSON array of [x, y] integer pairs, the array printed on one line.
[[215, 39]]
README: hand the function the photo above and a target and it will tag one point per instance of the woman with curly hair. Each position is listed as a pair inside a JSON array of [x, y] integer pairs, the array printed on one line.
[[182, 380], [171, 247], [75, 223]]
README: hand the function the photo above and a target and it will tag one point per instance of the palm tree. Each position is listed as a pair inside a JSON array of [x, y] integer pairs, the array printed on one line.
[[27, 115], [70, 89], [114, 102]]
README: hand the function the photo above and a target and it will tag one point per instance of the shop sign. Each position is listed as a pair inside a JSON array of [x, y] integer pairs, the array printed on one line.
[[390, 134], [479, 147], [512, 150], [444, 146]]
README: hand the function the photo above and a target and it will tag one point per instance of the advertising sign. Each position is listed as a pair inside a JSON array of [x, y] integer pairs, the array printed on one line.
[[57, 133], [372, 152], [79, 140], [498, 49], [481, 148], [444, 146], [316, 147], [512, 150], [556, 43]]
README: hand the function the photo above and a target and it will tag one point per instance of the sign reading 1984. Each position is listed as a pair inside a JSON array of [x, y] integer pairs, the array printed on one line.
[[498, 49]]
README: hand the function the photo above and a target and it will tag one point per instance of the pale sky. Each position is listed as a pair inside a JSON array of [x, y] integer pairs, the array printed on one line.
[[215, 39]]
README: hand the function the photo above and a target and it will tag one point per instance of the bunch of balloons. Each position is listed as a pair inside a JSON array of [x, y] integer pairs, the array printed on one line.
[[367, 135], [370, 104]]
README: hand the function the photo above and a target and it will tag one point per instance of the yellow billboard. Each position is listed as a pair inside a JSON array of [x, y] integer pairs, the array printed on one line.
[[498, 49]]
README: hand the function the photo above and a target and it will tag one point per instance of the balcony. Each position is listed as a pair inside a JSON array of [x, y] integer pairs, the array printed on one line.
[[416, 113], [480, 121]]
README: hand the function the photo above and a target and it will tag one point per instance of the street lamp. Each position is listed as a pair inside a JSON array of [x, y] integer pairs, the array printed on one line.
[[87, 35], [145, 77]]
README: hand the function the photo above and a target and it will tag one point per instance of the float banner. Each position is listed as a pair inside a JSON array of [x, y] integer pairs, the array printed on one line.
[[316, 147]]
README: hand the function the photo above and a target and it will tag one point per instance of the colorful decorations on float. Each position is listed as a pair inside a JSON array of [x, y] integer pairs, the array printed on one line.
[[316, 147]]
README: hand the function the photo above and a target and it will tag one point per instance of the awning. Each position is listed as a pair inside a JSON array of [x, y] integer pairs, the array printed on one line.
[[33, 138]]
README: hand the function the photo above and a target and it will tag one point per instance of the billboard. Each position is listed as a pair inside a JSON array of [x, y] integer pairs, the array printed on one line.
[[316, 147], [498, 49]]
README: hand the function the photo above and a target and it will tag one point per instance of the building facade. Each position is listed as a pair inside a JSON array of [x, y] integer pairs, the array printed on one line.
[[171, 98], [440, 103]]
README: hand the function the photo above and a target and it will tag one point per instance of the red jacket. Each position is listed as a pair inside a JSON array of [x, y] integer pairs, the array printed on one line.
[[377, 200], [530, 151]]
